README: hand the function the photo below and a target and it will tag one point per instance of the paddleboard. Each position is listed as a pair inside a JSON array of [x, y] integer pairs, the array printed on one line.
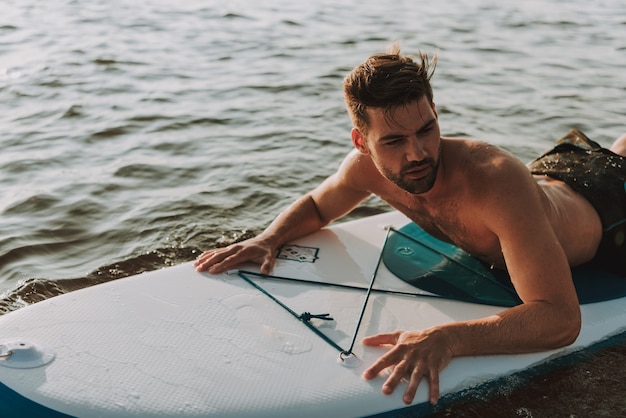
[[177, 343]]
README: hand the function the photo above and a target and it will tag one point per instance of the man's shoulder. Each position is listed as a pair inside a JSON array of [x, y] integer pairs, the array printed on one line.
[[485, 170], [358, 163], [470, 145], [357, 170], [479, 155]]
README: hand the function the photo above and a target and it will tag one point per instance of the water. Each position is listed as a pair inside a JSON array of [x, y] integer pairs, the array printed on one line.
[[135, 134]]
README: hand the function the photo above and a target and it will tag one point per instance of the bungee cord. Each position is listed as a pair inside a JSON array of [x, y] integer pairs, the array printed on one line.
[[344, 354], [306, 317]]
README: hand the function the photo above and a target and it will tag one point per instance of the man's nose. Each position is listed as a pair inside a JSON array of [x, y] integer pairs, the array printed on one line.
[[416, 150]]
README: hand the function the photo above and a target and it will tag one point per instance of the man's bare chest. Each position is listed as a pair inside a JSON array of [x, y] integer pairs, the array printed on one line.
[[450, 222], [442, 220]]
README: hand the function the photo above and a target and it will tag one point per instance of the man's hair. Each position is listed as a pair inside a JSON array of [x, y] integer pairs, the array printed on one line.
[[386, 81]]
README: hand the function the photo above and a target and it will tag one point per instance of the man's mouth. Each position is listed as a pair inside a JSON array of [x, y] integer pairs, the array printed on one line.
[[417, 171]]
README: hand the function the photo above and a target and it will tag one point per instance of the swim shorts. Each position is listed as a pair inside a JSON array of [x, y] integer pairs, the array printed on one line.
[[599, 175]]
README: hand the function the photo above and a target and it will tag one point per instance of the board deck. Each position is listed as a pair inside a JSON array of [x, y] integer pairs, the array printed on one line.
[[177, 343]]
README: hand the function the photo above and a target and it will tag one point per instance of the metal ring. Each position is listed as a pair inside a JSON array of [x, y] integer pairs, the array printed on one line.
[[6, 355]]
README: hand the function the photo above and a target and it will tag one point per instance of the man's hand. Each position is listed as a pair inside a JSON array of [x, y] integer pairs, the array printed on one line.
[[223, 259], [413, 355]]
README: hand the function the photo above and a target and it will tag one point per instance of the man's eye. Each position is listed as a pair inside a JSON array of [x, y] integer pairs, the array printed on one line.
[[393, 142], [426, 130]]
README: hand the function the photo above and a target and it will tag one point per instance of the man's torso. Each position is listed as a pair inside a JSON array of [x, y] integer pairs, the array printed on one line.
[[456, 211]]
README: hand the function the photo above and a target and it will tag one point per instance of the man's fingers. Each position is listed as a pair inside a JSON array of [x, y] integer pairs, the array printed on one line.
[[389, 359], [392, 382], [215, 261], [224, 259], [268, 265], [414, 381], [414, 377], [414, 355], [203, 257], [381, 339], [433, 382]]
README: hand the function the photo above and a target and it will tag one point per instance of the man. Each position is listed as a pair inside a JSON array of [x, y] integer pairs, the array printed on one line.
[[462, 191]]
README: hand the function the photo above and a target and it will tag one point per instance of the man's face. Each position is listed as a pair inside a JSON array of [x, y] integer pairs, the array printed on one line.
[[404, 145]]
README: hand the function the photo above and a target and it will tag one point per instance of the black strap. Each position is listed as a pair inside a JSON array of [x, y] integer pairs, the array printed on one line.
[[304, 317]]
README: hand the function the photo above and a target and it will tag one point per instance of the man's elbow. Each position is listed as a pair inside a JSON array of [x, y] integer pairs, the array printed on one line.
[[567, 329]]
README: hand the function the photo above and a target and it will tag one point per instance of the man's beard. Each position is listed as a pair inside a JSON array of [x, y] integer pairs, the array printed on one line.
[[415, 186]]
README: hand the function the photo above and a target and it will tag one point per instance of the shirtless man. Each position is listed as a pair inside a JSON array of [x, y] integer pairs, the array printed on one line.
[[466, 192]]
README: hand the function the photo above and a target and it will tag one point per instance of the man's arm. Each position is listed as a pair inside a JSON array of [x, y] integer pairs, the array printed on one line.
[[550, 314], [548, 318], [333, 198]]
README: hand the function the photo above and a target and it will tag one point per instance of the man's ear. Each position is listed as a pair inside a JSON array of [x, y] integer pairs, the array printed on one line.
[[359, 142], [435, 110]]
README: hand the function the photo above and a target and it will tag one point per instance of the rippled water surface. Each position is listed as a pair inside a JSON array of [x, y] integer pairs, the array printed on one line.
[[136, 133]]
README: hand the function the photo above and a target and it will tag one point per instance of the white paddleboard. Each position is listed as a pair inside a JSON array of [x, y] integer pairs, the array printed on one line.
[[177, 343]]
